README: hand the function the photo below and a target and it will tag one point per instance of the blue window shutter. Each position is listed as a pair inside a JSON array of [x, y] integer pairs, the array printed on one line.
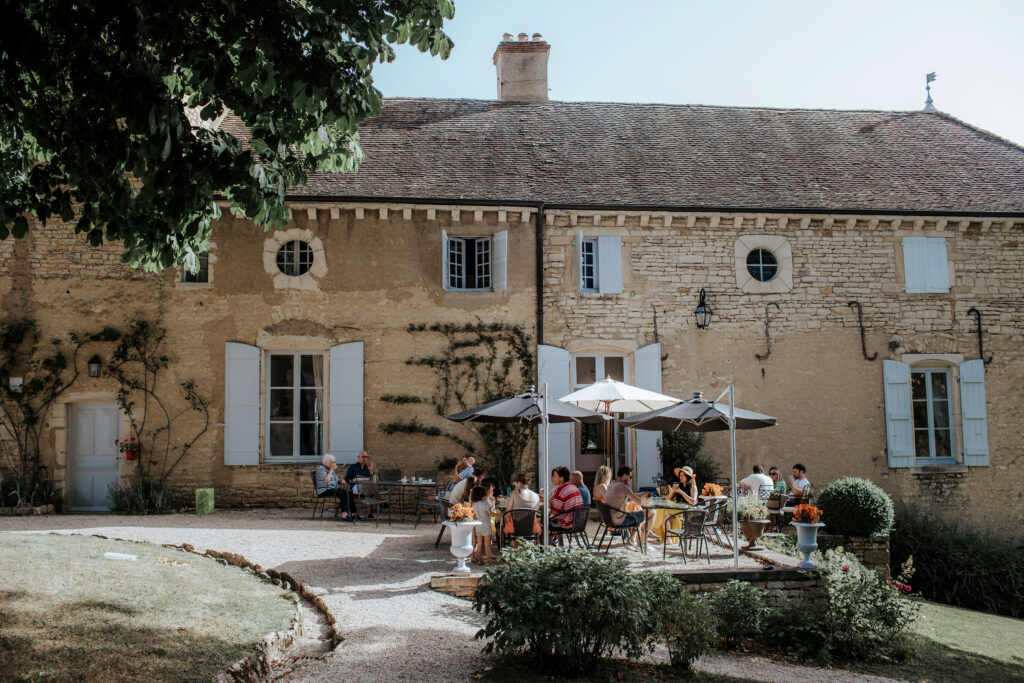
[[936, 265], [899, 423], [973, 413], [579, 261], [499, 268], [346, 391], [609, 264], [553, 368], [648, 376], [241, 404], [915, 273], [444, 259]]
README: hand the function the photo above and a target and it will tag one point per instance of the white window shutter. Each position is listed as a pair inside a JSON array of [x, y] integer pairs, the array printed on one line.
[[499, 268], [579, 261], [899, 423], [444, 259], [973, 412], [936, 265], [609, 264], [241, 404], [914, 259], [346, 391], [553, 368], [648, 376]]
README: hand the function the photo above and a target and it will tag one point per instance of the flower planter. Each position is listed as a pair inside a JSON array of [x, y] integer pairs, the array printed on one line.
[[752, 530], [129, 455], [462, 544], [807, 542]]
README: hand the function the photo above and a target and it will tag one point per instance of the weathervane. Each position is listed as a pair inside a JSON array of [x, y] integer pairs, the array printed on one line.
[[928, 78]]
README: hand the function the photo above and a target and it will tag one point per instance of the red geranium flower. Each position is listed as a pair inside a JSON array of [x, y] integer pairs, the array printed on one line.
[[845, 569]]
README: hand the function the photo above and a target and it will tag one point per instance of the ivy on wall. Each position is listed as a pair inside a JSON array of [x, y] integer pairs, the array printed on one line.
[[477, 363]]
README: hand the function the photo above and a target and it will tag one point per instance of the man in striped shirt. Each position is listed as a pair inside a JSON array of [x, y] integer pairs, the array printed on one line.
[[565, 497]]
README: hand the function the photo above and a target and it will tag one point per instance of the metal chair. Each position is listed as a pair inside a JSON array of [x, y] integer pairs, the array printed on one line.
[[717, 518], [524, 522], [445, 507], [374, 505], [774, 504], [394, 475], [765, 492], [321, 501], [429, 499], [692, 529], [623, 528], [578, 531]]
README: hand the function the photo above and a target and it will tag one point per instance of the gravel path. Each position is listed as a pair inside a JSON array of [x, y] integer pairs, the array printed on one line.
[[376, 581]]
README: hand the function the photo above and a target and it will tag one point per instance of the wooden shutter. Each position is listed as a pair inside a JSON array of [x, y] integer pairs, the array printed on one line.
[[579, 261], [553, 368], [648, 376], [899, 423], [973, 413], [914, 271], [241, 404], [499, 266], [444, 259], [936, 265], [346, 392], [609, 265]]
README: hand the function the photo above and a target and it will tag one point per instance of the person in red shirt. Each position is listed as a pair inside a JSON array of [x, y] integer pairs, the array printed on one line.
[[565, 497]]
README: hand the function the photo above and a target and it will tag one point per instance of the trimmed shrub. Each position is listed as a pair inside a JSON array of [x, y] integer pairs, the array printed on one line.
[[852, 506], [565, 606], [685, 623], [143, 497], [960, 567], [740, 608], [685, 448]]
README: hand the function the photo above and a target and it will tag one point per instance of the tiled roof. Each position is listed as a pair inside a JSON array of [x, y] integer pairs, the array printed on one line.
[[680, 156]]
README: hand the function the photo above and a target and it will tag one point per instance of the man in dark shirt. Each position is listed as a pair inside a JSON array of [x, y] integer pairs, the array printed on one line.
[[362, 469]]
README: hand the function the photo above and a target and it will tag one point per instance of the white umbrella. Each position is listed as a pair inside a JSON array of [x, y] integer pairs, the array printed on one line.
[[613, 396]]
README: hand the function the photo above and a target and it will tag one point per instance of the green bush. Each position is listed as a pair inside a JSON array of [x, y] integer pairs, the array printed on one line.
[[684, 623], [852, 506], [19, 492], [564, 606], [960, 567], [740, 609], [684, 448], [144, 497]]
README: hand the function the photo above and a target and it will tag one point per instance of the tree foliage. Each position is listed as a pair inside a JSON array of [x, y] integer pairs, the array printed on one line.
[[109, 110]]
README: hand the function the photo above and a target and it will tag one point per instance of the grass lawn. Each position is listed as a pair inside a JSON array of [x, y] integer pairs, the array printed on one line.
[[66, 613]]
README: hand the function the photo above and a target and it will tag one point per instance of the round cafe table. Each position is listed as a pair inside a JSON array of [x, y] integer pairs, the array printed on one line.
[[663, 509]]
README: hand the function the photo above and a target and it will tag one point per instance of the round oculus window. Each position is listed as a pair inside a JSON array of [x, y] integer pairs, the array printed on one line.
[[762, 265], [295, 258]]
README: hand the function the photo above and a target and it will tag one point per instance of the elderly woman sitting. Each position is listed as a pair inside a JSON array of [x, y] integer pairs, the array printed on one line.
[[327, 484]]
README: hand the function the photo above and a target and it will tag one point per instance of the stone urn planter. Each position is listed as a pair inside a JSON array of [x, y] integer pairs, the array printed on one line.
[[807, 542], [462, 544], [752, 530]]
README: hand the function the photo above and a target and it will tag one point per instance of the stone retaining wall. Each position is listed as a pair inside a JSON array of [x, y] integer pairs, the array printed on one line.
[[872, 552]]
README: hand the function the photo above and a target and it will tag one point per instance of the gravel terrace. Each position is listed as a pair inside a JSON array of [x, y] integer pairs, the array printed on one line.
[[376, 582]]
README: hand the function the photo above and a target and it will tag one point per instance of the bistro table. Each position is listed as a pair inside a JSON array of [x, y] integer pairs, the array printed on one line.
[[397, 483], [663, 508]]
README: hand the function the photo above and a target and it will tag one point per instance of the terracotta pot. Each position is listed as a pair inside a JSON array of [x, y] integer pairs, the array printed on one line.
[[129, 455], [752, 530]]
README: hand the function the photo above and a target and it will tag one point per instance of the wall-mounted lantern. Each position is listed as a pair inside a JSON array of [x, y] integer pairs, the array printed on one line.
[[703, 312], [15, 384], [94, 364]]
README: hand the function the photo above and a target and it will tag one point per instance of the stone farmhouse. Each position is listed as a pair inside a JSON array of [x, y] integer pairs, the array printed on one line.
[[854, 262]]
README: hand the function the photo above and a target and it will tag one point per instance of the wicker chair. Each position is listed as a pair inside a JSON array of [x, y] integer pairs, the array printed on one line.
[[524, 522], [693, 529]]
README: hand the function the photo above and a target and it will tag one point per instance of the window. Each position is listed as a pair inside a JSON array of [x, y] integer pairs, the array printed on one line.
[[202, 273], [762, 265], [589, 369], [469, 263], [296, 408], [588, 265], [295, 258], [932, 414], [925, 266]]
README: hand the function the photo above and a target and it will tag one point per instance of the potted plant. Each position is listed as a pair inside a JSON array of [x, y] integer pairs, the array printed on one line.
[[752, 515], [461, 523], [807, 520], [130, 448], [712, 490]]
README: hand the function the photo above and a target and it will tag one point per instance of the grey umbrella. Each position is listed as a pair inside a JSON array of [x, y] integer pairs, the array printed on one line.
[[529, 408], [698, 415]]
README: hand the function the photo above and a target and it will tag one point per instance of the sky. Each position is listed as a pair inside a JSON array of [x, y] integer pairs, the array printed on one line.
[[791, 54]]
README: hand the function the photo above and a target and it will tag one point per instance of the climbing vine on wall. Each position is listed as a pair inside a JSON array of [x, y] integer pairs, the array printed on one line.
[[477, 363]]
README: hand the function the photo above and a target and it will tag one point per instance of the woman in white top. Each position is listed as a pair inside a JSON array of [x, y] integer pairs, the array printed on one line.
[[522, 496]]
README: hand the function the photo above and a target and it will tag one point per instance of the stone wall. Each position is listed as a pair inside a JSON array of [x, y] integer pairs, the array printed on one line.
[[872, 552], [779, 584]]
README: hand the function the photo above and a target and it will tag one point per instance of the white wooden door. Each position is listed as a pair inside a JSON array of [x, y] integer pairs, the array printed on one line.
[[93, 458]]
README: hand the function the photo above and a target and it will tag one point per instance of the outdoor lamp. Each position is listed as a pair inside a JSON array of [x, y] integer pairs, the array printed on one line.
[[94, 364], [703, 312]]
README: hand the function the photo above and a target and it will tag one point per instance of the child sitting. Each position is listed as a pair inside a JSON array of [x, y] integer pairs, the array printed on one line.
[[483, 513]]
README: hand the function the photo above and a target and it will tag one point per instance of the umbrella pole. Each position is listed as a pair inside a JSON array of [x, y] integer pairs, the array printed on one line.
[[735, 499], [544, 468]]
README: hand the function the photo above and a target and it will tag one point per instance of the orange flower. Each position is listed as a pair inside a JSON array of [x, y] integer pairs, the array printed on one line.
[[807, 514], [461, 512], [711, 489]]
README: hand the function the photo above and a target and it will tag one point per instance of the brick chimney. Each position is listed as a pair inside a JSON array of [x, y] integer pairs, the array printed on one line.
[[522, 68]]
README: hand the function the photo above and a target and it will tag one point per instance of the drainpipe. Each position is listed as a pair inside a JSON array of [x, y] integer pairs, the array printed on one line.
[[539, 249]]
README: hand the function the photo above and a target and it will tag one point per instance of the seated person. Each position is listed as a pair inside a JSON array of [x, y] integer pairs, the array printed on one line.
[[619, 494], [780, 485], [576, 479], [601, 481], [565, 497], [361, 469], [327, 485], [460, 494], [752, 483], [686, 490], [522, 496], [463, 469], [799, 487]]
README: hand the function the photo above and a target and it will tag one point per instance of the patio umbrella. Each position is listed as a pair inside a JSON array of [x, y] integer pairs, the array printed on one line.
[[530, 408], [699, 415]]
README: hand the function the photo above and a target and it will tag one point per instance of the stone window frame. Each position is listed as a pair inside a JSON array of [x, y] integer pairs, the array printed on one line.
[[308, 281], [780, 247], [211, 259], [950, 362]]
